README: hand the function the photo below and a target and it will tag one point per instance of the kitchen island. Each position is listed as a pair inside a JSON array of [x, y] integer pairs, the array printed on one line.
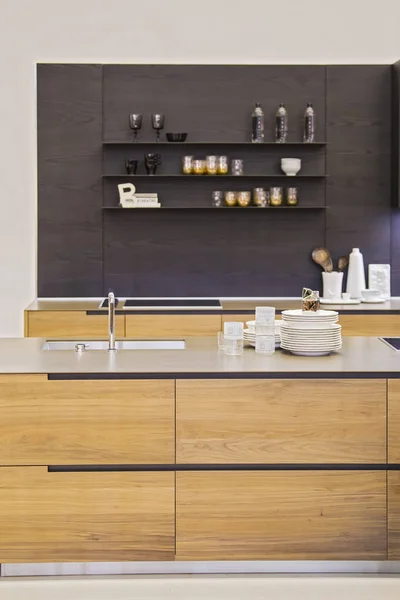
[[194, 455]]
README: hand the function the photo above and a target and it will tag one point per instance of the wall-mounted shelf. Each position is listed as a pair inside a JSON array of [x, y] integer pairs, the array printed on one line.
[[192, 143], [205, 177], [119, 208]]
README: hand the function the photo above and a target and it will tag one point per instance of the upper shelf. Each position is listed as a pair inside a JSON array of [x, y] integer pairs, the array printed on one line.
[[193, 143], [205, 177]]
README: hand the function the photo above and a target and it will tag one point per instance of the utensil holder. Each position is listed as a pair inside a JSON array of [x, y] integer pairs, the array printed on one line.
[[332, 285]]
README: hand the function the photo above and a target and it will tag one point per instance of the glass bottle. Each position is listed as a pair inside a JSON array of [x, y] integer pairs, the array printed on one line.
[[309, 125], [257, 121], [281, 124]]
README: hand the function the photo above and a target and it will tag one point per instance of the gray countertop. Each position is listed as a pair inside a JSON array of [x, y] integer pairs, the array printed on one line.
[[359, 357], [228, 304]]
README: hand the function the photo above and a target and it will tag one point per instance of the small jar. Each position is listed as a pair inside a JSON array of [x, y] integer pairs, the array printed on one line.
[[259, 194], [237, 166], [243, 199], [218, 199], [212, 165], [230, 198], [292, 197], [187, 165], [275, 196], [199, 167], [222, 165]]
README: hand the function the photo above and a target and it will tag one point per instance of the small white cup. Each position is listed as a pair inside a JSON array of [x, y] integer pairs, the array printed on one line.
[[346, 296]]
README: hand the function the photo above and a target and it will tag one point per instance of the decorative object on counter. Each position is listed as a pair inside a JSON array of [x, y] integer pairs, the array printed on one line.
[[243, 199], [237, 167], [265, 330], [230, 198], [275, 196], [218, 199], [135, 123], [212, 165], [292, 196], [356, 274], [310, 300], [131, 166], [199, 167], [126, 193], [176, 137], [379, 279], [157, 122], [309, 125], [152, 161], [311, 333], [233, 337], [332, 285], [222, 165], [343, 262], [371, 296], [187, 165], [323, 258], [260, 197], [290, 166], [281, 124], [257, 125]]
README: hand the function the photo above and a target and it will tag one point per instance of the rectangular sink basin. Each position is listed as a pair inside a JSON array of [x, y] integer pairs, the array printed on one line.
[[120, 345]]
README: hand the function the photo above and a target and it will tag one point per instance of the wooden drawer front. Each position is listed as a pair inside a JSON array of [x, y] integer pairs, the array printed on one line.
[[171, 326], [394, 515], [91, 516], [394, 420], [281, 421], [364, 325], [267, 515], [85, 422], [74, 323]]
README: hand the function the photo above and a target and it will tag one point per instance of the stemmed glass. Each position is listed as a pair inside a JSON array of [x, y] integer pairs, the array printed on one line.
[[157, 121], [135, 123]]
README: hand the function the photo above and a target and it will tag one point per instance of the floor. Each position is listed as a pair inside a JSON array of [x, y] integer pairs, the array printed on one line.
[[206, 587]]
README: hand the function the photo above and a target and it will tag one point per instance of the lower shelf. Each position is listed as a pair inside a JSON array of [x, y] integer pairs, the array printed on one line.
[[213, 208]]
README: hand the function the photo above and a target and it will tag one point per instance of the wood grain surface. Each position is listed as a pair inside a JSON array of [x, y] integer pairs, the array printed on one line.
[[71, 323], [80, 517], [326, 515], [394, 515], [364, 325], [85, 422], [281, 421], [394, 421], [171, 326]]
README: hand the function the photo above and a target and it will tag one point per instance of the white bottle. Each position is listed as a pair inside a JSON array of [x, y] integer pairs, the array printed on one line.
[[356, 274]]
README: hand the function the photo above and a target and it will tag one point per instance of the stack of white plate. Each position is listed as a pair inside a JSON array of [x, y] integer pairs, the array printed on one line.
[[249, 335], [311, 333]]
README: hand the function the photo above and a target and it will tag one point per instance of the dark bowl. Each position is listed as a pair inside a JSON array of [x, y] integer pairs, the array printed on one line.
[[176, 137]]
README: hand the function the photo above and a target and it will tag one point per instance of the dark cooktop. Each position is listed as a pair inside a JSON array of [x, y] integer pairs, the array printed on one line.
[[137, 302]]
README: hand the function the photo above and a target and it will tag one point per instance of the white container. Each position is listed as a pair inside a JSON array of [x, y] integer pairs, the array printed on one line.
[[379, 279], [233, 337], [291, 166], [356, 274], [332, 285]]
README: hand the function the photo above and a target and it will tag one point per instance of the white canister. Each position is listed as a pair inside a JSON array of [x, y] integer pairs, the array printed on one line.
[[356, 274], [332, 285]]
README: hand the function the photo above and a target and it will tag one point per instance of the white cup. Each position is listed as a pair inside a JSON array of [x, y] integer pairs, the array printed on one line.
[[291, 166], [370, 295], [332, 285]]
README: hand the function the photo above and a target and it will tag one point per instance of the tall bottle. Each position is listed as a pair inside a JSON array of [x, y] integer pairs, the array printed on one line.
[[257, 121], [309, 125], [281, 124], [356, 274]]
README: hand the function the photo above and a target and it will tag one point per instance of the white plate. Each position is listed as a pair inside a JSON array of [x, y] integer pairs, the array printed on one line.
[[299, 353], [253, 344], [301, 348], [333, 327], [339, 302], [308, 314], [373, 301]]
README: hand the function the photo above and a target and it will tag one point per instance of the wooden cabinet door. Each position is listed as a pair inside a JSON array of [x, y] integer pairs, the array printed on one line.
[[85, 422], [171, 326], [394, 420], [281, 421], [71, 323], [271, 515], [87, 516], [365, 325], [394, 515]]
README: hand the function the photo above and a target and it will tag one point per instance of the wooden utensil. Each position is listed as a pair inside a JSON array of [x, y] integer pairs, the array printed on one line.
[[323, 258], [343, 263]]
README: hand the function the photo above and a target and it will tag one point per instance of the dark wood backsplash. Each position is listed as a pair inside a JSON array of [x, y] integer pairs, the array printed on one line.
[[84, 250]]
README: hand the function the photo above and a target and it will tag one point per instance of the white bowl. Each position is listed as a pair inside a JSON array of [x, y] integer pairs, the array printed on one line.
[[370, 294], [291, 166]]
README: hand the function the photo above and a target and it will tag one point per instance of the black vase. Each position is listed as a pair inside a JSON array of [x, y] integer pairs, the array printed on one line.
[[131, 166], [152, 161]]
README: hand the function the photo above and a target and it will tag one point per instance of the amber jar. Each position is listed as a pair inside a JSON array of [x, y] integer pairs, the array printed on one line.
[[222, 165], [292, 196], [243, 199], [230, 198], [275, 196], [199, 167]]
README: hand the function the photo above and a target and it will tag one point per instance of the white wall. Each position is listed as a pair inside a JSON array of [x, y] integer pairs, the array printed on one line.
[[160, 31]]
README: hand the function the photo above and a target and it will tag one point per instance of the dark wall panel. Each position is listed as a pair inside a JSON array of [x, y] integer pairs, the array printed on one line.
[[69, 180]]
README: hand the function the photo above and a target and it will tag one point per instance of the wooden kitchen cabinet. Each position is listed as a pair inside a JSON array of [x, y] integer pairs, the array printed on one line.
[[394, 421], [85, 516], [394, 515], [86, 421], [70, 323], [172, 326], [374, 325], [269, 515], [281, 421]]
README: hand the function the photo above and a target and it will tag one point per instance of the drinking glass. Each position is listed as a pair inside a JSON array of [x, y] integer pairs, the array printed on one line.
[[237, 166], [292, 197], [222, 165], [212, 165], [135, 123], [157, 122], [275, 197], [217, 199]]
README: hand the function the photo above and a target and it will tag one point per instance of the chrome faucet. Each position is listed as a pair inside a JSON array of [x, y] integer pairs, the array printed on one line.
[[111, 321]]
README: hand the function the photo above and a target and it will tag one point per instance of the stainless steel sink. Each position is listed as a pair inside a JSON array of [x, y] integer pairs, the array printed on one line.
[[82, 346]]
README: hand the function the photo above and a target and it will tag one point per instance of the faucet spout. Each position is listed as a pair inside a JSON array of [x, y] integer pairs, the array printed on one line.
[[111, 321]]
